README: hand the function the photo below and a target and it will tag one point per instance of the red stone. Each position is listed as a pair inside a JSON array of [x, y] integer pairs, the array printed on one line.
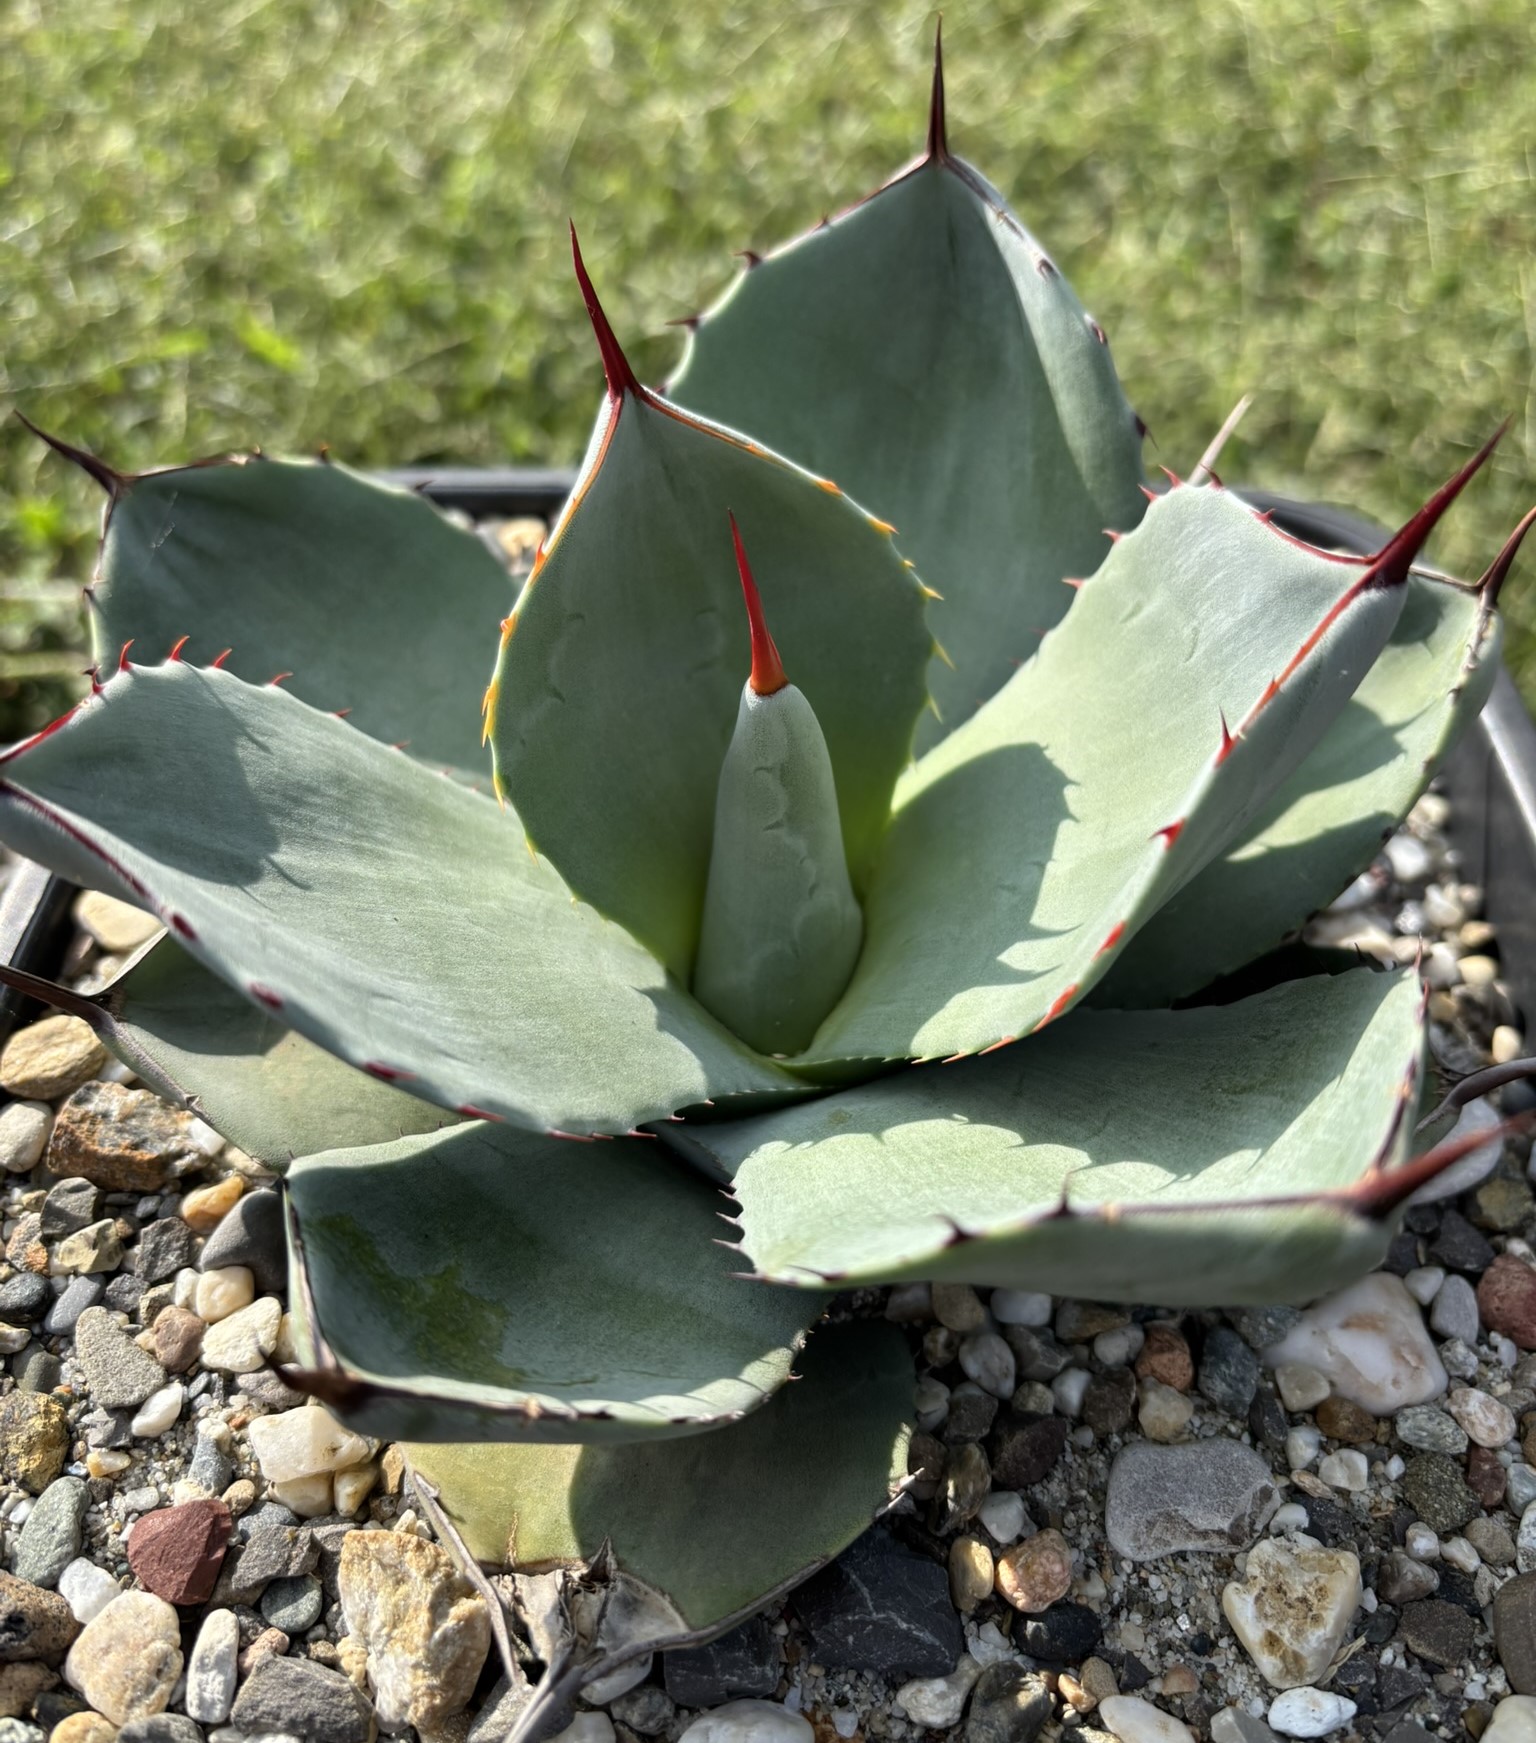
[[1506, 1300], [1486, 1477], [177, 1552]]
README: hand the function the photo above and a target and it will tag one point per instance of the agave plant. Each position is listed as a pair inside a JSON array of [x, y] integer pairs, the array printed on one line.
[[889, 941]]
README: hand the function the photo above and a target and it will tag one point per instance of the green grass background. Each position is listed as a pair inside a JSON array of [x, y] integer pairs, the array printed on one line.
[[287, 223]]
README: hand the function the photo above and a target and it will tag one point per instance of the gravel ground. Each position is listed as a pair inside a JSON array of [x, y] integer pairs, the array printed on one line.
[[1119, 1520]]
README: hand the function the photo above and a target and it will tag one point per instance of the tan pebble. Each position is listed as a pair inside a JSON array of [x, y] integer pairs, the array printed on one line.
[[1475, 935], [175, 1339], [83, 1728], [1098, 1679], [1507, 1044], [354, 1486], [352, 1659], [270, 1643], [392, 1469], [21, 1684], [51, 1058], [1162, 1413], [1443, 1008], [1036, 1572], [203, 1209], [240, 1496], [1479, 971], [1074, 1694], [127, 1658], [1179, 1679], [958, 1307], [971, 1572], [116, 926], [104, 1462]]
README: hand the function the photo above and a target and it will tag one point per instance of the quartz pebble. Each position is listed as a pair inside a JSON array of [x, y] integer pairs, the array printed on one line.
[[24, 1128], [749, 1722], [212, 1668], [1514, 1721], [205, 1207], [1370, 1344], [128, 1657], [1345, 1470], [1021, 1307], [219, 1293], [1309, 1712], [118, 927], [87, 1589], [158, 1412], [1003, 1515], [1293, 1608], [987, 1360], [937, 1702], [241, 1343], [1482, 1417], [425, 1628], [1135, 1721], [1162, 1413]]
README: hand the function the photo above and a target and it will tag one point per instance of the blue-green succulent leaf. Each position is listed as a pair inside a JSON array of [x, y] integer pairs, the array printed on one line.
[[1241, 1153], [923, 350], [382, 911], [489, 1284]]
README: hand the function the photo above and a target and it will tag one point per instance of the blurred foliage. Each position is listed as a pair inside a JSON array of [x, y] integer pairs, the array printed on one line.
[[287, 222]]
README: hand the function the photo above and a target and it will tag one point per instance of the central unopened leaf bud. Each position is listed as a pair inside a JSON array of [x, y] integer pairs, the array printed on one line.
[[782, 930]]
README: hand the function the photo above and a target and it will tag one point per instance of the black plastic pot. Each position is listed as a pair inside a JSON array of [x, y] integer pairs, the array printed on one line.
[[1491, 780]]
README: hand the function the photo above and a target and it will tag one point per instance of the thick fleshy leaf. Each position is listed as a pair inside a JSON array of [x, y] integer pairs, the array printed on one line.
[[621, 671], [380, 910], [1239, 1153], [364, 593], [1328, 820], [718, 1523], [490, 1284], [923, 350], [1033, 842], [197, 1042]]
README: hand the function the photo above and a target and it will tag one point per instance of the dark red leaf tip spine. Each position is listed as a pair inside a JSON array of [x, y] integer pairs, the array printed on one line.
[[768, 673], [620, 377], [1389, 567], [938, 122], [1493, 580], [108, 477]]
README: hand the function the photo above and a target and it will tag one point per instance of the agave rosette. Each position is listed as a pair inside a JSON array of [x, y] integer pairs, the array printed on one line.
[[406, 968]]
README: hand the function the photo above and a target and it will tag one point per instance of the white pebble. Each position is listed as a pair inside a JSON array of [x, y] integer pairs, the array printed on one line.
[[1021, 1307], [1290, 1517], [1422, 1543], [587, 1728], [1485, 1420], [1440, 967], [242, 1343], [185, 1287], [1302, 1445], [1411, 862], [1424, 1283], [158, 1411], [212, 1668], [302, 1442], [1120, 1347], [204, 1139], [223, 1291], [1003, 1514], [937, 1702], [987, 1359], [1068, 1388], [748, 1722], [1134, 1721], [1300, 1387], [1460, 1554], [1506, 1044], [1394, 1467], [1346, 1469], [1370, 1343], [314, 1497], [86, 1588], [1514, 1721], [24, 1129], [1309, 1712]]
